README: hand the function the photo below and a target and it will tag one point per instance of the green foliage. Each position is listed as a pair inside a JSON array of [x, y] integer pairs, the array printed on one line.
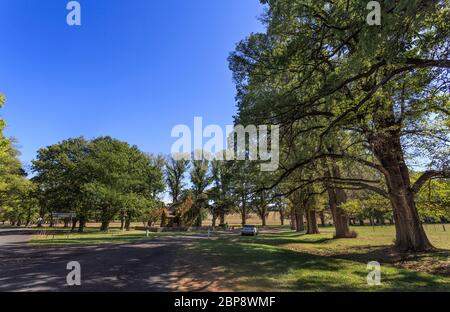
[[98, 178], [16, 202], [352, 95], [174, 175], [433, 201], [368, 206]]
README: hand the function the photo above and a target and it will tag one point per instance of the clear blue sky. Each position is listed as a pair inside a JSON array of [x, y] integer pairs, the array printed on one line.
[[132, 70]]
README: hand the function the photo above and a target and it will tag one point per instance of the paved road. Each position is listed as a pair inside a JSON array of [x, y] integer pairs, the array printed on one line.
[[142, 266]]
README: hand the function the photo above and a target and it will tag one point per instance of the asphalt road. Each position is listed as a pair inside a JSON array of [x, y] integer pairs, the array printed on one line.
[[141, 266]]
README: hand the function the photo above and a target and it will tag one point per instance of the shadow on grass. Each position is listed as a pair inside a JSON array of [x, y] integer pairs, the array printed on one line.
[[251, 265]]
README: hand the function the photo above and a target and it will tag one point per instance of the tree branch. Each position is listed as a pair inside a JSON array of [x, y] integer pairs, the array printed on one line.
[[427, 175]]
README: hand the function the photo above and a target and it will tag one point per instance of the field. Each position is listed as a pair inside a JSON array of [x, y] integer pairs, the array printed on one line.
[[281, 260]]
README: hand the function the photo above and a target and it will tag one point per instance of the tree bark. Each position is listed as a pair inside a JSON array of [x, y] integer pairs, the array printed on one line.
[[214, 219], [293, 220], [74, 224], [105, 226], [122, 222], [340, 219], [222, 218], [263, 219], [282, 216], [127, 223], [410, 235], [322, 218], [244, 213], [82, 224], [336, 197], [311, 220], [299, 221]]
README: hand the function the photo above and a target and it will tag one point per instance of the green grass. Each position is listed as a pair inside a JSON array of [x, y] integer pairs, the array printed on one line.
[[295, 262], [286, 261], [61, 237]]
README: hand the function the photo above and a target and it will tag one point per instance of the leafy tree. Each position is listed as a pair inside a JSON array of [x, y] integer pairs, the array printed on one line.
[[16, 204], [119, 178], [97, 179], [60, 177], [220, 193], [242, 186], [200, 179], [321, 65], [433, 201], [174, 175]]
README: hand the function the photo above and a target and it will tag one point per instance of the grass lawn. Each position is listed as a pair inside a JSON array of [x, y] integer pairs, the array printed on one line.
[[289, 261], [92, 236], [282, 260]]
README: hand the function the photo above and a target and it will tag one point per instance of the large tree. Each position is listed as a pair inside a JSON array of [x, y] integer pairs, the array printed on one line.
[[120, 177], [16, 192], [97, 179], [321, 65], [175, 170], [60, 178], [201, 178], [220, 192]]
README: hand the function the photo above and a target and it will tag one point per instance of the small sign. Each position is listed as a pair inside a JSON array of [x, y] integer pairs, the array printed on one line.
[[64, 215]]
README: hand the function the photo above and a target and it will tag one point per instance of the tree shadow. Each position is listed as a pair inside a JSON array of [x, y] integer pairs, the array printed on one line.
[[252, 265]]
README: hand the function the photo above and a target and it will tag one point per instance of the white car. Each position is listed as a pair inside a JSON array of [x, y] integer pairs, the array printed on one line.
[[249, 230]]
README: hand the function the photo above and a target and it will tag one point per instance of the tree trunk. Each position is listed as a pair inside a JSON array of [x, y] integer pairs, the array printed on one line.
[[293, 220], [28, 220], [199, 220], [82, 224], [335, 198], [311, 220], [322, 218], [340, 219], [127, 223], [263, 216], [105, 226], [74, 224], [282, 216], [361, 221], [410, 235], [163, 219], [214, 220], [122, 222], [299, 221], [222, 218], [244, 213]]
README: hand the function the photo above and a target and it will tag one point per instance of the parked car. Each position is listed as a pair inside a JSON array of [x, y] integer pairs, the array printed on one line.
[[249, 230]]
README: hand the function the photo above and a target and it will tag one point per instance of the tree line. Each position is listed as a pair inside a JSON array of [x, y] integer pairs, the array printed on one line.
[[358, 105], [364, 134]]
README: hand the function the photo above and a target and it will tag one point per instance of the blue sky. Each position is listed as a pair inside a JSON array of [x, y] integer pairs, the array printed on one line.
[[132, 70]]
